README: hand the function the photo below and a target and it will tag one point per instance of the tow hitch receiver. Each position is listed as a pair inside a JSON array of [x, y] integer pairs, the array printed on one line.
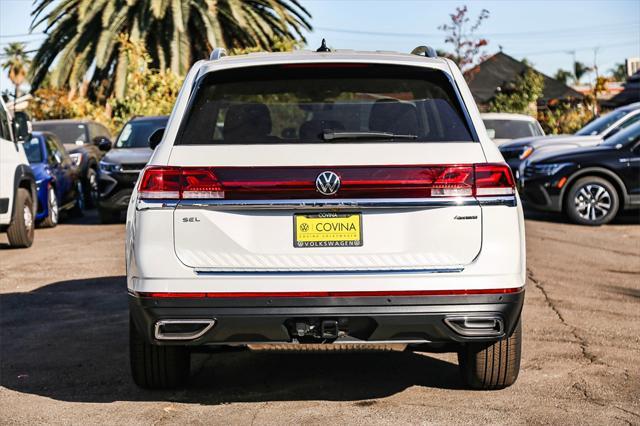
[[314, 329], [329, 329]]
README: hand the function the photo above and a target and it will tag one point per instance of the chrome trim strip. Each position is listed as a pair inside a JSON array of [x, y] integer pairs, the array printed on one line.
[[308, 204], [304, 204], [237, 272], [182, 336], [504, 200], [155, 204]]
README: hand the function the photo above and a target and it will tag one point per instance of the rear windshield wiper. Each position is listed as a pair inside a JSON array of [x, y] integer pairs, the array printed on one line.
[[329, 135]]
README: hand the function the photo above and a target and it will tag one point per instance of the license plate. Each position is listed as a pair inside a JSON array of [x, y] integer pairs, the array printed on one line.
[[327, 230]]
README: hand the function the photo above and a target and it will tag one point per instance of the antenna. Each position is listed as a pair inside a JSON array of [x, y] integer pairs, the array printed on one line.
[[323, 47]]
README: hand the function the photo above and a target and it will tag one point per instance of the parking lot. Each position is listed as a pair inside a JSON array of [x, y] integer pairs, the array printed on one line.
[[64, 346]]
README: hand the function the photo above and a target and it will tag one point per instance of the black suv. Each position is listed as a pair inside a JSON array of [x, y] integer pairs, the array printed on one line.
[[120, 167], [589, 184], [85, 141]]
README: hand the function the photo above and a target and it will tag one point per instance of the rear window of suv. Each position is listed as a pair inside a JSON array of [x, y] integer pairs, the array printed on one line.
[[320, 103]]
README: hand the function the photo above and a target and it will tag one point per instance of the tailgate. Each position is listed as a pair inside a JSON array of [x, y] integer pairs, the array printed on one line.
[[382, 217]]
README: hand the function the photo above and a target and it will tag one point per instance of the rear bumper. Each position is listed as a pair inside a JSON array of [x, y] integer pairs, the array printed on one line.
[[370, 319]]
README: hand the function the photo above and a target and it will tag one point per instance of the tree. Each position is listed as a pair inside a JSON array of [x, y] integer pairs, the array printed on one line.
[[17, 64], [563, 75], [579, 71], [618, 72], [466, 47], [83, 35], [520, 96]]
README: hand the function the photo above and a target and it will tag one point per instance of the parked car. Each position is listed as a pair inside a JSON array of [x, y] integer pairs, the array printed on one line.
[[589, 184], [17, 183], [57, 178], [503, 127], [120, 167], [86, 141], [327, 198], [592, 134]]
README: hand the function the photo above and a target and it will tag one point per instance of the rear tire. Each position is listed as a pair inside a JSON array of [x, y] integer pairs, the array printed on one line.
[[157, 367], [491, 366], [21, 230]]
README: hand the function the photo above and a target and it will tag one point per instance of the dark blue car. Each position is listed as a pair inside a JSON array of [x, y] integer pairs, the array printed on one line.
[[57, 178]]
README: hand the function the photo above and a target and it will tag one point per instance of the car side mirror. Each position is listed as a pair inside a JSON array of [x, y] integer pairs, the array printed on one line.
[[156, 138], [22, 126], [491, 133], [104, 144]]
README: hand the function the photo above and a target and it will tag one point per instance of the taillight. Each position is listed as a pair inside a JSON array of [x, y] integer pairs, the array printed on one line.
[[179, 183], [357, 182], [493, 179], [160, 183]]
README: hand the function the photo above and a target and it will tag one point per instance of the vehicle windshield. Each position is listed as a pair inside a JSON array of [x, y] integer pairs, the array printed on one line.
[[512, 129], [67, 133], [135, 134], [601, 124], [324, 103], [625, 137], [33, 151]]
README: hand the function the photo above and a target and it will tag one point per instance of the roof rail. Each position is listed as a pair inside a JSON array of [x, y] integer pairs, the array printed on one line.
[[427, 51], [217, 53]]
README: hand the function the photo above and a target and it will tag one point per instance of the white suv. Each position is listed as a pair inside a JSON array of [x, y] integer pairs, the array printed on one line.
[[17, 183], [325, 198]]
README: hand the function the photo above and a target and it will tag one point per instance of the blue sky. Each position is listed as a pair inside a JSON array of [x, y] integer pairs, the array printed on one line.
[[546, 32]]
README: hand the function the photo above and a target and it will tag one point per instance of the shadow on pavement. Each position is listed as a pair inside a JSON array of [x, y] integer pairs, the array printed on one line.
[[631, 217], [68, 341]]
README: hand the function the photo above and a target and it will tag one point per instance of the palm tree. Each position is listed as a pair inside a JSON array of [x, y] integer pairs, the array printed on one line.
[[579, 70], [17, 64], [563, 75], [83, 34]]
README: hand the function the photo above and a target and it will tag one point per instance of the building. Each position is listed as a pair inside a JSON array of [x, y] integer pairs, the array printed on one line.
[[500, 70]]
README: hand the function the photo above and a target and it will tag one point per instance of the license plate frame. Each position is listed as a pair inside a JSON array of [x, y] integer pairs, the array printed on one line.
[[328, 217]]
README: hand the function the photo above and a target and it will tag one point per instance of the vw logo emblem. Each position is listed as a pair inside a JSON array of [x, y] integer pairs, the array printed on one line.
[[327, 183]]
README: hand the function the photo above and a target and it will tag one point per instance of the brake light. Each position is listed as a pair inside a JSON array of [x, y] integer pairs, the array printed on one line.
[[356, 182], [493, 179], [160, 183], [179, 183]]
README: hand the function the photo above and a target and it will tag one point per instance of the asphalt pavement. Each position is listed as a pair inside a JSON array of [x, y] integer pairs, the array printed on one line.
[[64, 347]]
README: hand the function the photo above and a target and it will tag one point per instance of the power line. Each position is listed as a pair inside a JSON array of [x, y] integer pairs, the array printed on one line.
[[575, 49], [20, 35], [513, 34]]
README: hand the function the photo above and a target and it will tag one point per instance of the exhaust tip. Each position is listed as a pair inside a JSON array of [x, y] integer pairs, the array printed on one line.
[[476, 326], [182, 329]]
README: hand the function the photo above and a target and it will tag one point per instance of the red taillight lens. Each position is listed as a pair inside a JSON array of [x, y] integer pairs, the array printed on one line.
[[179, 183], [160, 183], [265, 183], [200, 183], [493, 179]]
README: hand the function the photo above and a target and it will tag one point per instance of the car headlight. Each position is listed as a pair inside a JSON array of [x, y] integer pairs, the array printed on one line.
[[76, 157], [110, 167], [527, 152], [549, 169]]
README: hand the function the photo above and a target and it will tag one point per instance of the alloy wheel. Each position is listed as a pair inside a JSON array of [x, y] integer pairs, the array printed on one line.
[[28, 218], [593, 202], [53, 206]]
